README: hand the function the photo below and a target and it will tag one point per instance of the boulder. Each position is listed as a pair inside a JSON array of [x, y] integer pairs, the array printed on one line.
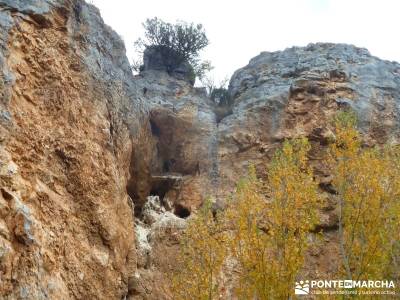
[[161, 59]]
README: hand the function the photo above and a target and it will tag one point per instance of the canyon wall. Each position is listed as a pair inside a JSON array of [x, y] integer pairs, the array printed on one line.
[[297, 92], [100, 169], [70, 124], [83, 144]]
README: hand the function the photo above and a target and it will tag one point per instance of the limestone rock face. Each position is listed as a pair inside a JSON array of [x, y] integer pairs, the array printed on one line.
[[70, 124], [83, 144], [296, 92], [184, 171], [184, 134], [158, 234]]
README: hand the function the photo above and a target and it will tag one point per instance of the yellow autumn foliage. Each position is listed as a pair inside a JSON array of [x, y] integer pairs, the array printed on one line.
[[264, 232], [367, 181], [202, 256], [269, 234], [266, 236]]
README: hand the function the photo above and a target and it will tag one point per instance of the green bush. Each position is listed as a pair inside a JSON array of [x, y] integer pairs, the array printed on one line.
[[180, 42]]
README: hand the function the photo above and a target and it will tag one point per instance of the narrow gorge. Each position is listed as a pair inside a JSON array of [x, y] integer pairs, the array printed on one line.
[[100, 168]]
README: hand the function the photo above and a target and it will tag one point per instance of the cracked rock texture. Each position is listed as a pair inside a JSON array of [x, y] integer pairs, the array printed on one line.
[[69, 127], [297, 91], [184, 137], [99, 168]]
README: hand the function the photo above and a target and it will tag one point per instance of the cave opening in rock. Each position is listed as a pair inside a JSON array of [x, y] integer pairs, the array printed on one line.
[[168, 165], [181, 211], [155, 130], [163, 183], [160, 188]]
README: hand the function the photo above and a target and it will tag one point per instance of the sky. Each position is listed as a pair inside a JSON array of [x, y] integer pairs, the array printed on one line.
[[238, 30]]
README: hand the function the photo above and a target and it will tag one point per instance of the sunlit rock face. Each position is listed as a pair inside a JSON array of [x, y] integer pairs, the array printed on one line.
[[70, 123], [100, 170]]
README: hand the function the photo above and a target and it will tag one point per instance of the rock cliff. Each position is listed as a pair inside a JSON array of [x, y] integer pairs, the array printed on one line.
[[70, 125], [99, 168], [296, 92]]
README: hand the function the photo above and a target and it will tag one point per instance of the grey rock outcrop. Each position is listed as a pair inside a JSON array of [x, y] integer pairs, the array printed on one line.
[[184, 133], [297, 91]]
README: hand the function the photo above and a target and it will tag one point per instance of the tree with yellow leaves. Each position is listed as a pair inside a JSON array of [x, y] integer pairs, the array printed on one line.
[[203, 253], [270, 234], [367, 182], [264, 231], [248, 240]]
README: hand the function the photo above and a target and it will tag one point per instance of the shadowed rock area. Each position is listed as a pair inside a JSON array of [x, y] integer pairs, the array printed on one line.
[[161, 60]]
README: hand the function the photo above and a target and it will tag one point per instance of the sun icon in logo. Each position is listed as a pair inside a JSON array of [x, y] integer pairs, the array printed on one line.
[[302, 288]]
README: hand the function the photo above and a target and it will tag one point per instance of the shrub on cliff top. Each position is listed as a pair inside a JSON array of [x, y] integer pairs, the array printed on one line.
[[180, 42]]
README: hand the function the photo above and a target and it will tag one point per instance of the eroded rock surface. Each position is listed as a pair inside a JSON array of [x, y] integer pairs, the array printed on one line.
[[184, 134], [296, 92], [85, 145], [158, 237], [70, 124]]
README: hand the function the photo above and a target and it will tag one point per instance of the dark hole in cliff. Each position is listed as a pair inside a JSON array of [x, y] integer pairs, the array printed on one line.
[[161, 184], [139, 181], [168, 165], [131, 189], [137, 210], [181, 211], [160, 190], [155, 130], [6, 195]]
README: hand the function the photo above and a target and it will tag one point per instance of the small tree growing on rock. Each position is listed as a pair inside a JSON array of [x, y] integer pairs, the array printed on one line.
[[177, 43], [217, 92], [219, 96]]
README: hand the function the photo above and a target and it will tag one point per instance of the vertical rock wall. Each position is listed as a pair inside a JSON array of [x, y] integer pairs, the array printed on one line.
[[70, 124], [297, 92], [84, 145]]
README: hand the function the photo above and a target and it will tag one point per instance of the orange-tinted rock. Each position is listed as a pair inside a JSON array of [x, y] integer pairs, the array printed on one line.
[[69, 127]]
